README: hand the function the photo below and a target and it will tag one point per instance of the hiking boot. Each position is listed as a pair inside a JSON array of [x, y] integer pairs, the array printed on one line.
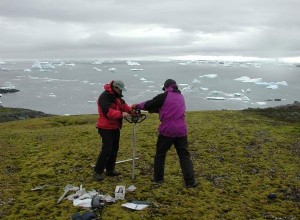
[[112, 173], [192, 185], [99, 176], [157, 181]]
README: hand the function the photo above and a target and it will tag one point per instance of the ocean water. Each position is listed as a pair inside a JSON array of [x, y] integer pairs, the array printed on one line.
[[72, 87]]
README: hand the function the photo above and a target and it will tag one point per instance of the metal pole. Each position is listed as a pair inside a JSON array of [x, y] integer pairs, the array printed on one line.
[[133, 151]]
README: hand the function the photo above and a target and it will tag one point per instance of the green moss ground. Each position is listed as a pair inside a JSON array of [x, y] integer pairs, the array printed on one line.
[[239, 158]]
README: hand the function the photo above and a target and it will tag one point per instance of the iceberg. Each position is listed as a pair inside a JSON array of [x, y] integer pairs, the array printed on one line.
[[209, 76], [131, 63], [215, 98], [97, 62], [272, 87], [136, 69], [36, 65], [97, 69], [112, 69], [196, 81], [27, 70]]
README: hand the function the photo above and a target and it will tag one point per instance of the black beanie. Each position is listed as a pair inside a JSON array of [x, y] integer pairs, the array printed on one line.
[[168, 82]]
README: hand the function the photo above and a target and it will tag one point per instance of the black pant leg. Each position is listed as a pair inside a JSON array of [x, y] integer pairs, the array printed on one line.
[[106, 150], [186, 164], [162, 146], [111, 163]]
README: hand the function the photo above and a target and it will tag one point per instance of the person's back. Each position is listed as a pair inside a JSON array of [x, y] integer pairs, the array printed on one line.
[[172, 114]]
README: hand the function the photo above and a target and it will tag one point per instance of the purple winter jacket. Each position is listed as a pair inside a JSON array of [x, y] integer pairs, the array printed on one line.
[[171, 108]]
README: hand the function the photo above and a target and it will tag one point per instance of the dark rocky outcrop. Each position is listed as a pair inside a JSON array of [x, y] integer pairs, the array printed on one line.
[[8, 90], [290, 112], [12, 114]]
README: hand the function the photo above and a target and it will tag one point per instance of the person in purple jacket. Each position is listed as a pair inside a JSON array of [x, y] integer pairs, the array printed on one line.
[[172, 131]]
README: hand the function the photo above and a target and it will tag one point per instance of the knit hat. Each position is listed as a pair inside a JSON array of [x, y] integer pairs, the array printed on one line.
[[168, 82], [119, 84]]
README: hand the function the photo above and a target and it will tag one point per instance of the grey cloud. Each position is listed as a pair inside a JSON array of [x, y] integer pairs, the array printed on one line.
[[262, 28]]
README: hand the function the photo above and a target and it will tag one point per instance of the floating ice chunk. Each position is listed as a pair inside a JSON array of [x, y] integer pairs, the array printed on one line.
[[261, 103], [147, 81], [196, 81], [36, 65], [215, 98], [204, 89], [237, 94], [209, 76], [97, 62], [92, 102], [2, 62], [272, 87], [142, 79], [246, 98], [70, 64], [112, 69], [183, 84], [248, 79], [183, 64], [131, 63], [248, 90], [136, 69], [282, 83], [97, 69], [217, 93], [52, 95], [27, 70], [47, 65]]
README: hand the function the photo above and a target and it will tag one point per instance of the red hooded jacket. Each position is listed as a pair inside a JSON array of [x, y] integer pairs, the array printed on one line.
[[110, 108]]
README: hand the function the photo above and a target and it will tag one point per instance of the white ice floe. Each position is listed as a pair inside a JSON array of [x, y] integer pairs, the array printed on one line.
[[131, 63], [142, 79], [47, 65], [27, 70], [272, 87], [97, 69], [259, 81], [209, 76], [183, 64], [260, 103], [204, 88], [196, 81], [237, 94], [70, 64], [112, 69], [2, 62], [97, 62], [52, 95], [36, 65], [215, 98], [137, 69]]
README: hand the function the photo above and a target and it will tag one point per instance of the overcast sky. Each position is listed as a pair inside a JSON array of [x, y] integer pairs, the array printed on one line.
[[148, 29]]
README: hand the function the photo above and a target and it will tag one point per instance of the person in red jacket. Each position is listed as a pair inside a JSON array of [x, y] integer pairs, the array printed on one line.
[[112, 109]]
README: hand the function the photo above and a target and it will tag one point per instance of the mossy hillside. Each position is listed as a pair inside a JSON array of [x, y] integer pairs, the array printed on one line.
[[239, 159]]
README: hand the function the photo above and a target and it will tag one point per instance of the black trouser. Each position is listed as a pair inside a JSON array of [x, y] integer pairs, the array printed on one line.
[[162, 146], [110, 146]]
